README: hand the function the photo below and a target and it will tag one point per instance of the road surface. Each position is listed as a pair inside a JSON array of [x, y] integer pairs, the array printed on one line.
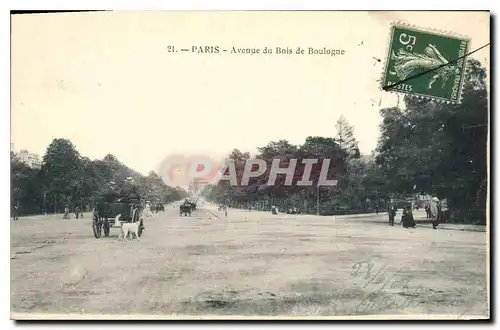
[[248, 263]]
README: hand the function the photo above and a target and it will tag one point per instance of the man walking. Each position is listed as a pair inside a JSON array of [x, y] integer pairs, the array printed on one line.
[[66, 212], [439, 215], [392, 214], [16, 212]]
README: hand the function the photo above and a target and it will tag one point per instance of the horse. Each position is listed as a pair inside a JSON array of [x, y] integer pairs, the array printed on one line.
[[185, 209], [160, 207]]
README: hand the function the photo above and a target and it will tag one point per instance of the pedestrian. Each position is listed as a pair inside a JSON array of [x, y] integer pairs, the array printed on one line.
[[77, 211], [147, 210], [407, 218], [66, 213], [439, 216], [16, 212], [392, 214]]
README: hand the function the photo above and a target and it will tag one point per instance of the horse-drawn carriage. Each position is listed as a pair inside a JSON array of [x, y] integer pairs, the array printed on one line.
[[104, 214], [158, 207], [187, 207]]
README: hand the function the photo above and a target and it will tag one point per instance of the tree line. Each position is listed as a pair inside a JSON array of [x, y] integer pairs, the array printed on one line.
[[425, 147], [67, 178]]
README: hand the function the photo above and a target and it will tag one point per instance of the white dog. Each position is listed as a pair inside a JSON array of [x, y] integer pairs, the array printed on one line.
[[130, 228], [127, 228]]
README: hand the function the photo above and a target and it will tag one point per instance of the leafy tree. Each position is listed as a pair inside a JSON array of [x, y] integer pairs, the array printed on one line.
[[427, 147], [25, 187], [345, 138], [68, 178], [62, 171], [260, 194], [439, 149]]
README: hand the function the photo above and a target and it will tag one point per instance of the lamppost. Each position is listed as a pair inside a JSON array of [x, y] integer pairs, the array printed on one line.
[[317, 199], [44, 200], [414, 196]]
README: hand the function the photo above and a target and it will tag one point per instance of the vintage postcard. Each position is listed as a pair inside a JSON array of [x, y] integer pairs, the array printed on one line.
[[250, 165]]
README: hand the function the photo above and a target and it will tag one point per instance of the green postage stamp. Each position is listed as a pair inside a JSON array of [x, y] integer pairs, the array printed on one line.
[[426, 64]]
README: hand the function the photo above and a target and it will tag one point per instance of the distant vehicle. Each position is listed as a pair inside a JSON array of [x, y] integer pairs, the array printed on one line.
[[104, 213], [187, 207], [293, 211]]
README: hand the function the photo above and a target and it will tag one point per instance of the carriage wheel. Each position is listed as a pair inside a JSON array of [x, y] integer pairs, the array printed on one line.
[[96, 225], [106, 228]]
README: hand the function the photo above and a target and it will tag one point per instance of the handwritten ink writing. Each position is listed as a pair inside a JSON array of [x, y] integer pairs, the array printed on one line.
[[378, 299]]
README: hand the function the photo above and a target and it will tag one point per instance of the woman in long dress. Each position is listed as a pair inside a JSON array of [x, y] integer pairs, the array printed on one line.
[[147, 210], [407, 218]]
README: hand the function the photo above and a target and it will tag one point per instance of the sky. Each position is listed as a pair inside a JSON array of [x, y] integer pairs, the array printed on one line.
[[107, 82]]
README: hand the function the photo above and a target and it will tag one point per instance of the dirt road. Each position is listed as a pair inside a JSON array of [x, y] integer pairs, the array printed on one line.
[[250, 263]]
